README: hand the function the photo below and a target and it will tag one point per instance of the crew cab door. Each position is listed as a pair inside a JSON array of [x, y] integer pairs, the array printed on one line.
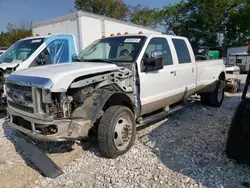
[[185, 67], [157, 88]]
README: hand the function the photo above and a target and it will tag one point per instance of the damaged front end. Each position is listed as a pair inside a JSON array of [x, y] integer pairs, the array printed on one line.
[[4, 74], [44, 115]]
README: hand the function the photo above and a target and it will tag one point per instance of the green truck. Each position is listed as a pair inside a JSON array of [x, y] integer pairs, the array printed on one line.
[[207, 53]]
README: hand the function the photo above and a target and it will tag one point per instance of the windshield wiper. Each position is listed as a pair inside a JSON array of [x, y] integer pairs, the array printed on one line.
[[78, 60], [100, 60]]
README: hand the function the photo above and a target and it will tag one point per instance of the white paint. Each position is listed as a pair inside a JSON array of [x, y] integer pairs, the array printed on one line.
[[62, 75], [91, 30], [64, 27], [115, 28], [26, 63], [154, 86], [87, 27], [132, 40], [159, 85]]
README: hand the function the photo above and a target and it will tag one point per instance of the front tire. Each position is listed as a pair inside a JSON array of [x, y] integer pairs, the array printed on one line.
[[116, 131]]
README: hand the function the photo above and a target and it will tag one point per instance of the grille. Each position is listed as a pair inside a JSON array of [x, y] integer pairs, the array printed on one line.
[[22, 122], [20, 97], [21, 107], [24, 93]]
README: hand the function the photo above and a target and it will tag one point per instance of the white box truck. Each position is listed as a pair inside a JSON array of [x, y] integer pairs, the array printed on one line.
[[86, 27]]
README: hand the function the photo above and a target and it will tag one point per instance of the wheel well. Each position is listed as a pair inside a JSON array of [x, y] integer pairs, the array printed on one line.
[[119, 99], [222, 76]]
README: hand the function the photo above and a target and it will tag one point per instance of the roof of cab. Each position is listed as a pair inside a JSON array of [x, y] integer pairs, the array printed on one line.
[[39, 37], [146, 35]]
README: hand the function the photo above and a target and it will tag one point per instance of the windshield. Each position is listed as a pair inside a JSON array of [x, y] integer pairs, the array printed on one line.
[[116, 49], [21, 50]]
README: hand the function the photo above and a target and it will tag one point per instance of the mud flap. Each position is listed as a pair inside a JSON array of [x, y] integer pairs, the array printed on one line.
[[37, 157]]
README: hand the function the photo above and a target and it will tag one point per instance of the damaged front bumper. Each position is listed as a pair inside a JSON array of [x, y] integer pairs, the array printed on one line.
[[49, 130]]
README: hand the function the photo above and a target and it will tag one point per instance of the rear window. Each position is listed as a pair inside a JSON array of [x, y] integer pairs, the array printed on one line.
[[182, 51]]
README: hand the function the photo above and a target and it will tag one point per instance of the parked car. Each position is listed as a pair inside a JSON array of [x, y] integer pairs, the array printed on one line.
[[119, 82]]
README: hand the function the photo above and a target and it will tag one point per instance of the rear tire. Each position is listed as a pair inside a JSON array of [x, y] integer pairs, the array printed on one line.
[[215, 98], [116, 131]]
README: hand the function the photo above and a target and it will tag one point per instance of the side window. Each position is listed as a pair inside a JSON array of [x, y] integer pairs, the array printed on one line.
[[182, 51], [159, 44], [42, 59], [56, 52]]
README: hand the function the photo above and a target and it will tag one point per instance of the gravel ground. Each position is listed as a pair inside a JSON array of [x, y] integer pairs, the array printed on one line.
[[186, 150]]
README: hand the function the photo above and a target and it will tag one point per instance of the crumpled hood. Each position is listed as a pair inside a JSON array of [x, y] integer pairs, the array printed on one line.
[[58, 77]]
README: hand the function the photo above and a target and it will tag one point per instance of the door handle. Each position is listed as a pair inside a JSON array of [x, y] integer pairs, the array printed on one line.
[[173, 72]]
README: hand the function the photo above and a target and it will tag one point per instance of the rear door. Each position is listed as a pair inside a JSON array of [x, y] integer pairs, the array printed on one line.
[[186, 67], [158, 87]]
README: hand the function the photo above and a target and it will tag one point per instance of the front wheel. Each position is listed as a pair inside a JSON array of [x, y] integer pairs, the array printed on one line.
[[116, 131]]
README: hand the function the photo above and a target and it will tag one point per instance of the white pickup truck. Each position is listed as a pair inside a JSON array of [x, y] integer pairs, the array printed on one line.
[[35, 51], [118, 83]]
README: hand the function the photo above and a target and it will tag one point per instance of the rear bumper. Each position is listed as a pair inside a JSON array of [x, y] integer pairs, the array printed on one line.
[[66, 129]]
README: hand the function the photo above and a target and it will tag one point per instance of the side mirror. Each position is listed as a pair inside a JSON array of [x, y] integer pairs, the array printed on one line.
[[74, 57], [155, 62]]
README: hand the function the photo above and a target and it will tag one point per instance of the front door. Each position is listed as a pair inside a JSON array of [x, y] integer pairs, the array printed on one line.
[[158, 87]]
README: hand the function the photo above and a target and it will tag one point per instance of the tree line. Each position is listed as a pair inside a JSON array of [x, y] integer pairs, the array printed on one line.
[[15, 33], [215, 23]]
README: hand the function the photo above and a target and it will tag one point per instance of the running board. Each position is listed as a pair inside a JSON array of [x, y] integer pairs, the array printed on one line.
[[162, 115], [37, 157]]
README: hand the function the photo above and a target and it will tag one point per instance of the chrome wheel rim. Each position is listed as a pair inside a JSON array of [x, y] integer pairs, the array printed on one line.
[[122, 133]]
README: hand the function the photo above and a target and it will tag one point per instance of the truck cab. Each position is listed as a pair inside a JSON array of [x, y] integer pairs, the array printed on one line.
[[36, 51]]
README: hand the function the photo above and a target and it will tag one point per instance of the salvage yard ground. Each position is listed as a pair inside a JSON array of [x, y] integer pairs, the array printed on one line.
[[186, 150]]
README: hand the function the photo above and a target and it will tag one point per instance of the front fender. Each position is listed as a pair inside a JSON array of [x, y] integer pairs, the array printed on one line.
[[93, 105]]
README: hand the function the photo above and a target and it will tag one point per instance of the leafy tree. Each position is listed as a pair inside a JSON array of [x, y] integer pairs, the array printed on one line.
[[218, 23], [143, 15], [236, 28], [15, 33], [112, 8]]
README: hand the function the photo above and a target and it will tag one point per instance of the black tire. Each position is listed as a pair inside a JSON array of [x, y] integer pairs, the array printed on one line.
[[234, 132], [238, 141], [205, 99], [106, 131], [211, 99]]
